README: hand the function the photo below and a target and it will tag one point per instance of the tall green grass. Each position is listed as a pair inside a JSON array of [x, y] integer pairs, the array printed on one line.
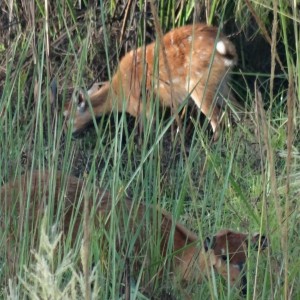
[[247, 181]]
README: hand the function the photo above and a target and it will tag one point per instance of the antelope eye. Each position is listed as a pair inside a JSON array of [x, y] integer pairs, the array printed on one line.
[[224, 257]]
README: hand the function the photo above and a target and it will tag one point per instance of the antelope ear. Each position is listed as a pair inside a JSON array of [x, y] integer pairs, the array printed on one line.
[[93, 89], [80, 101], [209, 243], [259, 242]]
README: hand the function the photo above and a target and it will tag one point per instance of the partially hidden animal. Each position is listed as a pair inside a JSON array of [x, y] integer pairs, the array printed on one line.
[[194, 62], [23, 202]]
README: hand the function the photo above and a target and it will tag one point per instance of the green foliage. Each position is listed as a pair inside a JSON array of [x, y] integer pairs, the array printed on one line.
[[247, 181]]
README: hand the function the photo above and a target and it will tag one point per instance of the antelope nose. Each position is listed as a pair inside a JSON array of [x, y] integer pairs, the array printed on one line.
[[241, 266]]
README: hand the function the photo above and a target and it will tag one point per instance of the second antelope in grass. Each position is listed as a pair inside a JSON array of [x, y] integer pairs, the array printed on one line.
[[23, 202], [195, 63]]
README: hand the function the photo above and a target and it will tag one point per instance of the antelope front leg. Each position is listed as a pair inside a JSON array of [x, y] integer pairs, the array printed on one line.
[[203, 97]]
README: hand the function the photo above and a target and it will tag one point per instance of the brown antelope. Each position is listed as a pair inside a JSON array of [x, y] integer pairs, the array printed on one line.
[[194, 63], [192, 258]]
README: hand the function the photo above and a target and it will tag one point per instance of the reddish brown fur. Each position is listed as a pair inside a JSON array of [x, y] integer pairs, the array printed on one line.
[[198, 68], [192, 260]]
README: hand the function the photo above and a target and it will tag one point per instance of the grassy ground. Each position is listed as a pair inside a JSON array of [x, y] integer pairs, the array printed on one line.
[[247, 181]]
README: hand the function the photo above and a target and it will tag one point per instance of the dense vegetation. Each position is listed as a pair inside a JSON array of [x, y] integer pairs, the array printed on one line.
[[247, 181]]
